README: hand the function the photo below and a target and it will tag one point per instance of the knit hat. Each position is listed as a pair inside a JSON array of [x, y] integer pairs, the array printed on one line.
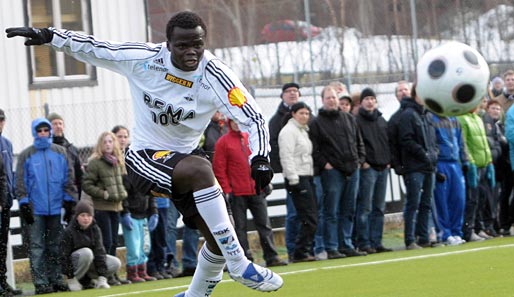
[[367, 92], [54, 116], [84, 206]]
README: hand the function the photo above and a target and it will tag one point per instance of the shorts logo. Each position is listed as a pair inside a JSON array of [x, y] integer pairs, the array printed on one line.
[[178, 80], [236, 97], [162, 155]]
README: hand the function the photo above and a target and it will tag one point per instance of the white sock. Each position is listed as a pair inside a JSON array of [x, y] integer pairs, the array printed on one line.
[[208, 273], [211, 206]]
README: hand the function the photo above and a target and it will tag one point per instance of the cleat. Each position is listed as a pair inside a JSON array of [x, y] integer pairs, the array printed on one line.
[[259, 278]]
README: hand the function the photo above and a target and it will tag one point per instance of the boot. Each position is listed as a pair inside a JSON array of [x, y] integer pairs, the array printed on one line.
[[132, 274], [141, 272], [122, 281]]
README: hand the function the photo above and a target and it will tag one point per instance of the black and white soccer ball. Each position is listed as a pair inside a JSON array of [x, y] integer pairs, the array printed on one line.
[[452, 78]]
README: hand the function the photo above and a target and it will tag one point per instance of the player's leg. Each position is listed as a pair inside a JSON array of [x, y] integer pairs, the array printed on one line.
[[194, 174]]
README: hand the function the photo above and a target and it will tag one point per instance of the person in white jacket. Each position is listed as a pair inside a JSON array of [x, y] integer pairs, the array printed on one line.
[[295, 149]]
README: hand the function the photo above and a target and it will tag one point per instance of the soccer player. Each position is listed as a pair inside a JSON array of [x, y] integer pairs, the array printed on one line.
[[176, 88]]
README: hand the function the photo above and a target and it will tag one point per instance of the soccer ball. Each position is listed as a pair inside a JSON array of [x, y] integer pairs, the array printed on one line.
[[452, 79]]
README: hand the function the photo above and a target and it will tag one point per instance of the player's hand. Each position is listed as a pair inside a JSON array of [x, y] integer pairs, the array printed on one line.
[[35, 36], [261, 173]]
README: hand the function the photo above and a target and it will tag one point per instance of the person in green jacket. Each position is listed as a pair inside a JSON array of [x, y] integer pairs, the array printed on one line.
[[480, 176]]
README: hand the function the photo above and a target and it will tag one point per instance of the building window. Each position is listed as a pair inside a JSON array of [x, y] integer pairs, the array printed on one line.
[[49, 68]]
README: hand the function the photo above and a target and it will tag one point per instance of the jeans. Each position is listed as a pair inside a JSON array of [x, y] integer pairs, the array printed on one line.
[[109, 223], [340, 193], [45, 250], [474, 201], [157, 255], [319, 241], [416, 212], [292, 225], [369, 220], [305, 203], [258, 206], [190, 238], [135, 242]]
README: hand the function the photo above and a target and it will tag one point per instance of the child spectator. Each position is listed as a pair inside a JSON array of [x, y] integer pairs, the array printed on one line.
[[84, 256]]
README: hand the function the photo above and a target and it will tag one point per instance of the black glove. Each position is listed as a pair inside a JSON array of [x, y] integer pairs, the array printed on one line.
[[293, 188], [261, 173], [36, 36], [26, 213], [440, 177], [69, 210]]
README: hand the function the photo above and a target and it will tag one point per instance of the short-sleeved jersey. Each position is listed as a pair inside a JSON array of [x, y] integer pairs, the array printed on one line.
[[172, 108]]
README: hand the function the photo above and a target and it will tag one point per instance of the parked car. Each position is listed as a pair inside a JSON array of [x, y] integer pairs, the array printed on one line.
[[288, 30]]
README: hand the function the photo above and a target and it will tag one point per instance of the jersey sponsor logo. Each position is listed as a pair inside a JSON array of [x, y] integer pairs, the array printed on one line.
[[166, 114], [179, 81], [236, 97], [162, 156], [148, 66]]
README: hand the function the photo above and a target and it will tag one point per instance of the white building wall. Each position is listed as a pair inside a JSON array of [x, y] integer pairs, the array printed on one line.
[[87, 111]]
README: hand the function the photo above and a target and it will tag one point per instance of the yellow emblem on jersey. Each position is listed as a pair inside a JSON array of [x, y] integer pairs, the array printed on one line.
[[236, 97], [162, 155], [179, 81]]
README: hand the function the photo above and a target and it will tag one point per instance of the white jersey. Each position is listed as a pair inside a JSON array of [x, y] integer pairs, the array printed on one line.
[[172, 108]]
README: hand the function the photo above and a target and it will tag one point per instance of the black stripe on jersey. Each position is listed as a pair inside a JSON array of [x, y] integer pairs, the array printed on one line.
[[207, 196], [140, 165], [104, 44], [225, 81]]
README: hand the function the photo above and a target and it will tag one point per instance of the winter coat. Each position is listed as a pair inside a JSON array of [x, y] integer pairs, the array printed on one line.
[[73, 156], [295, 151], [494, 137], [337, 140], [214, 131], [416, 139], [275, 125], [101, 175], [231, 166], [75, 238], [506, 101], [373, 129], [452, 147], [476, 140], [8, 157], [43, 175]]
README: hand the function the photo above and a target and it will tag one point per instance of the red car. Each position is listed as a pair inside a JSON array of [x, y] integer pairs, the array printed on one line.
[[288, 30]]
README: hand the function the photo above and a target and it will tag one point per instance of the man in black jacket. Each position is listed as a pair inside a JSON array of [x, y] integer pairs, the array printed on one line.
[[419, 158], [338, 152]]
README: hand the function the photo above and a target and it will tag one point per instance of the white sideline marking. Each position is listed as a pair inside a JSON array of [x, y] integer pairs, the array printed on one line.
[[335, 267]]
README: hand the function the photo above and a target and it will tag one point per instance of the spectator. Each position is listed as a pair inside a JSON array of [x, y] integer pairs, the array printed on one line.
[[214, 131], [190, 241], [139, 218], [450, 190], [496, 140], [58, 128], [103, 181], [44, 184], [480, 176], [402, 90], [345, 102], [338, 86], [84, 257], [157, 257], [338, 152], [509, 134], [418, 151], [233, 172], [497, 86], [6, 153], [356, 103], [290, 95], [297, 164], [373, 176], [506, 98]]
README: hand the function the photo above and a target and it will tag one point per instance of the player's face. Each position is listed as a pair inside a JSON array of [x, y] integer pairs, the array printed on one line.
[[186, 47]]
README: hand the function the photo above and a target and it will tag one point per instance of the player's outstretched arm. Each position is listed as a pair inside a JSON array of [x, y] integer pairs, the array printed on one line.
[[35, 36]]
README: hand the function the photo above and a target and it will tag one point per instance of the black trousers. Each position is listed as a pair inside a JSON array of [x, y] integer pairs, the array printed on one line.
[[304, 201], [258, 206], [4, 236]]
